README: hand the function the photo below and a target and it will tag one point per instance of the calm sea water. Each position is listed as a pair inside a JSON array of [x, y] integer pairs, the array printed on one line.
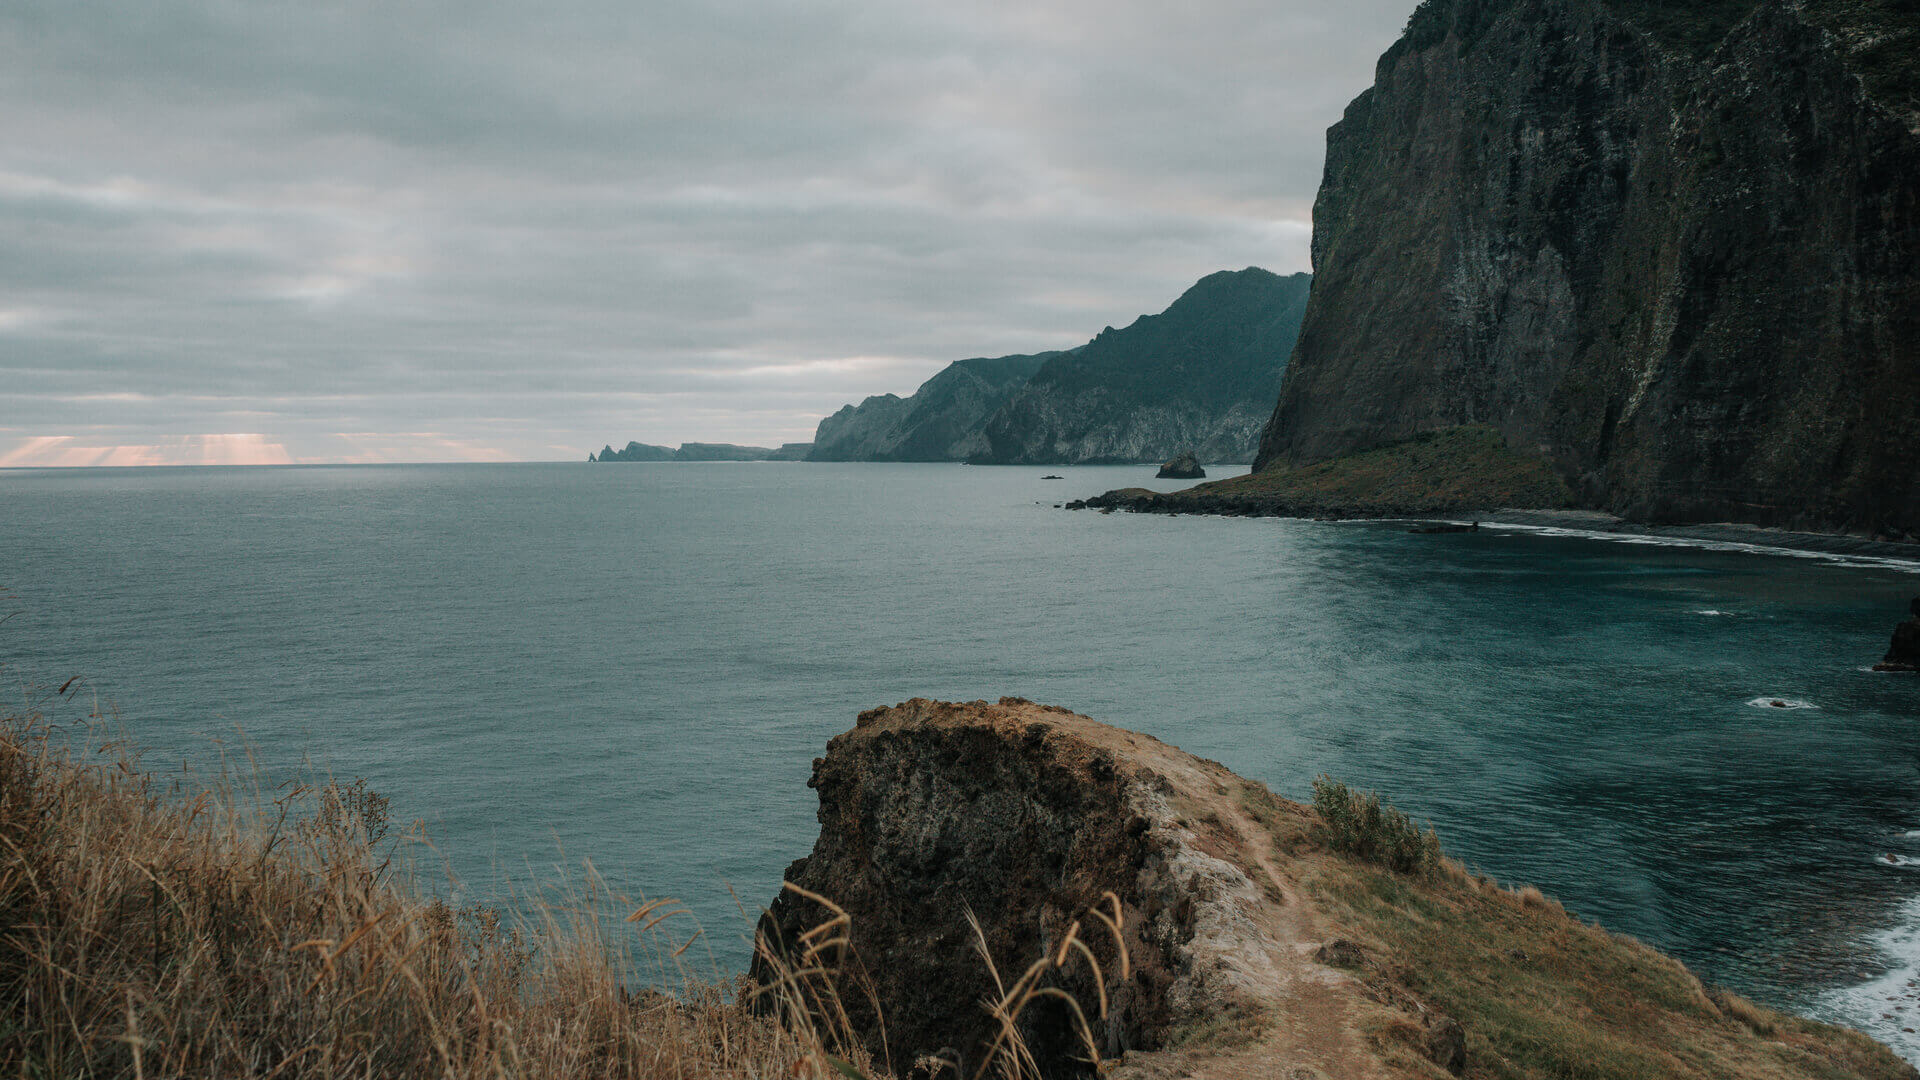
[[636, 664]]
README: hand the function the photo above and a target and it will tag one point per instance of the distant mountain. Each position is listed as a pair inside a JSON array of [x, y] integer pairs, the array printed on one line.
[[1201, 376], [940, 422], [634, 452], [694, 451]]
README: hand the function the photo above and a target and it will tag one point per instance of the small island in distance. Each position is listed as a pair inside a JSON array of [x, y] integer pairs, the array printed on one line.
[[698, 451]]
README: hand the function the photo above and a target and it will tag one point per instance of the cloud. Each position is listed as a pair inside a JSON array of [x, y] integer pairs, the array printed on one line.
[[64, 451], [528, 226]]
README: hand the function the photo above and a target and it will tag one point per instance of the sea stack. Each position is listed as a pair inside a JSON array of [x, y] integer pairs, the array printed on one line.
[[1182, 467], [1904, 653]]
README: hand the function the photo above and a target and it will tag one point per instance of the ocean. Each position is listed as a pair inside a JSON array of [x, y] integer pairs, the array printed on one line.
[[547, 664]]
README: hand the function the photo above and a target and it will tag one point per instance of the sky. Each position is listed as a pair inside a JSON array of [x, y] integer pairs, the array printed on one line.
[[308, 231]]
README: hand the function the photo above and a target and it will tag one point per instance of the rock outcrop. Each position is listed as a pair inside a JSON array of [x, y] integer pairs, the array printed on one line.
[[1251, 949], [1182, 467], [940, 422], [1904, 653], [1201, 375], [1675, 247]]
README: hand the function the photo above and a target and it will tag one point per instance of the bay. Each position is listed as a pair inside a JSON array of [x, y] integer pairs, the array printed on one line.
[[636, 664]]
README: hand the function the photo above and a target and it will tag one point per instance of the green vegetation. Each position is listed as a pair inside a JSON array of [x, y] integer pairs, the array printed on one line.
[[1469, 467], [1358, 823], [1541, 994]]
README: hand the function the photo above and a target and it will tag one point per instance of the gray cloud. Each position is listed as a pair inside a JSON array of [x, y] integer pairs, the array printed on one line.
[[440, 229]]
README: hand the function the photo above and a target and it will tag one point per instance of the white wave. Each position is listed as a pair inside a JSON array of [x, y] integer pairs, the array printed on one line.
[[1887, 1008], [1911, 566], [1711, 611], [1781, 703]]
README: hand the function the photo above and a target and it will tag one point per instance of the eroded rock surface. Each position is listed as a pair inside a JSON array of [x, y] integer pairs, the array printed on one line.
[[1254, 951], [1027, 815]]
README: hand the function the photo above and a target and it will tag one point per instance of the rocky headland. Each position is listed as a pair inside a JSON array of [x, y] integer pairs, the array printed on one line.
[[694, 451], [1200, 376], [940, 422], [1154, 910], [1671, 249]]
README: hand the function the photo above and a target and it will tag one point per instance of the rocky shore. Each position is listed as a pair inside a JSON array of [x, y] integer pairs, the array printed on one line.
[[996, 874]]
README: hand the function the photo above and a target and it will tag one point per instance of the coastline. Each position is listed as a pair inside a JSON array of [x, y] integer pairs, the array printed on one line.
[[1591, 522]]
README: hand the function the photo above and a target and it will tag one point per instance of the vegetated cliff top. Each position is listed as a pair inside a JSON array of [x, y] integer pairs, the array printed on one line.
[[1260, 937]]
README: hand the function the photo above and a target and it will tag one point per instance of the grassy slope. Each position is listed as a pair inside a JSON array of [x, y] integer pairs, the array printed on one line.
[[1453, 469], [147, 930], [1540, 993]]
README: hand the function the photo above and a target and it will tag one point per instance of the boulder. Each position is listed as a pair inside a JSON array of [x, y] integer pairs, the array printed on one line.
[[1182, 467]]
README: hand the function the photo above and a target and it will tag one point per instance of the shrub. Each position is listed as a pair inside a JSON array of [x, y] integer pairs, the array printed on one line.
[[1358, 823]]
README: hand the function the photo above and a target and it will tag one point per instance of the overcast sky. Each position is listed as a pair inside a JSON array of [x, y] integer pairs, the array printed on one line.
[[256, 230]]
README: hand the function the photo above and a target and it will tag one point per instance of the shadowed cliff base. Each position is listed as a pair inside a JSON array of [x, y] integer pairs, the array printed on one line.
[[1453, 470], [1174, 919]]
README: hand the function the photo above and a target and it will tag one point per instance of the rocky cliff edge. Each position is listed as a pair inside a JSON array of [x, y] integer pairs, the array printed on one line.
[[1251, 947]]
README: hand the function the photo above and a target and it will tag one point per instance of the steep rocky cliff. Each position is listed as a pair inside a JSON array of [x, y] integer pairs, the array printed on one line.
[[940, 422], [1673, 246], [1200, 376], [1252, 947]]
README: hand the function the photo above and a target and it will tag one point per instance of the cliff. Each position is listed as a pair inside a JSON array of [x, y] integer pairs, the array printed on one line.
[[1200, 376], [1203, 927], [940, 422], [1674, 248]]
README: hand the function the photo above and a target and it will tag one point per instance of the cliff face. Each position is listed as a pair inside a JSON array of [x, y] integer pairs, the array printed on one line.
[[940, 422], [1675, 247], [1252, 948], [1200, 376]]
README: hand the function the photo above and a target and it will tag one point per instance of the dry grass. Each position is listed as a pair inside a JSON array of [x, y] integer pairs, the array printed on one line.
[[1541, 994], [153, 929]]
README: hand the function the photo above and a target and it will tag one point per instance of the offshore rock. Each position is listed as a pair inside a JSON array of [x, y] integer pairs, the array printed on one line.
[[1675, 247], [1904, 653], [1253, 950], [1183, 467]]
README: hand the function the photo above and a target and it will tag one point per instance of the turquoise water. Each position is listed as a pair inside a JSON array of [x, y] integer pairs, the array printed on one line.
[[637, 663]]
